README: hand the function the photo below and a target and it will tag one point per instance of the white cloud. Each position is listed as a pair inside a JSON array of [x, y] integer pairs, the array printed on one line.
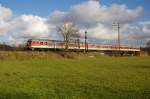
[[5, 15], [91, 13], [32, 26], [146, 26], [97, 19], [102, 31], [26, 27]]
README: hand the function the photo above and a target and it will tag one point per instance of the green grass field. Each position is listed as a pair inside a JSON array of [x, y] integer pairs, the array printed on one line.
[[77, 78]]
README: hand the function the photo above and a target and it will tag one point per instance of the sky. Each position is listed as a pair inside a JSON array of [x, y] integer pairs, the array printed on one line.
[[20, 19], [44, 7]]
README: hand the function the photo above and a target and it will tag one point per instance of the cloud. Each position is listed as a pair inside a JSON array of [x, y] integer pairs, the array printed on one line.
[[15, 29], [97, 19], [25, 27], [102, 31], [144, 30], [146, 26], [29, 25], [91, 13], [5, 15]]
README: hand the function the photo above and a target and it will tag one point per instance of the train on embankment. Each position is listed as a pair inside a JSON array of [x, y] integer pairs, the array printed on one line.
[[45, 45]]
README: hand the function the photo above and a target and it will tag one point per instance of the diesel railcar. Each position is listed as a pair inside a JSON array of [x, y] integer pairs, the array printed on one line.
[[43, 44]]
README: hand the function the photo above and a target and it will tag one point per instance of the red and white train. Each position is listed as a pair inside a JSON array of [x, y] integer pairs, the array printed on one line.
[[42, 44]]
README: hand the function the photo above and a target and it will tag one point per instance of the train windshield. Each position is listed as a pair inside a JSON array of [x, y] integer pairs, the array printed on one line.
[[29, 42]]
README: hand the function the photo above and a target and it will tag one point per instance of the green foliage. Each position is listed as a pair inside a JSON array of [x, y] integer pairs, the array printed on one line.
[[90, 77]]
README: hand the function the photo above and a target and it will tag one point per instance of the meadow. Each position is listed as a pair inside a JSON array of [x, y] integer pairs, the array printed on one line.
[[43, 75]]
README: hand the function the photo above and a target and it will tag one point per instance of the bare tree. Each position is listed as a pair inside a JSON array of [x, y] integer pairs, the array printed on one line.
[[68, 31], [75, 36]]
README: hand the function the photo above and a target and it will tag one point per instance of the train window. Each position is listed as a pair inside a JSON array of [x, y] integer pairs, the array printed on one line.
[[45, 43], [37, 42], [33, 42], [41, 43], [29, 42]]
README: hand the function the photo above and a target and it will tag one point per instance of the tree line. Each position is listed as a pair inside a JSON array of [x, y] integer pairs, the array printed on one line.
[[148, 47]]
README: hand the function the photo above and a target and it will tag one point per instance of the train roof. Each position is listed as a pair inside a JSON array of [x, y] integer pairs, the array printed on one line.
[[44, 40], [82, 42]]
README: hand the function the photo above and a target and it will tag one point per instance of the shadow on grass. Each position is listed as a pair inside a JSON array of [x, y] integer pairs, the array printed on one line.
[[17, 95], [143, 67]]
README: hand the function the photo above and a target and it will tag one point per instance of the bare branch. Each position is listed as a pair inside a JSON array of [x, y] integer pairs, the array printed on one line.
[[68, 31]]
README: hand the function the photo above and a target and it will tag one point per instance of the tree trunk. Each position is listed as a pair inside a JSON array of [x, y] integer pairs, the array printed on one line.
[[66, 45]]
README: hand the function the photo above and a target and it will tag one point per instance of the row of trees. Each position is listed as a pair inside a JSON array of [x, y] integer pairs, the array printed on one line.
[[148, 47], [5, 47]]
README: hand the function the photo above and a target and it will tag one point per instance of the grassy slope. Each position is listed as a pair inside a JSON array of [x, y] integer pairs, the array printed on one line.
[[85, 78]]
